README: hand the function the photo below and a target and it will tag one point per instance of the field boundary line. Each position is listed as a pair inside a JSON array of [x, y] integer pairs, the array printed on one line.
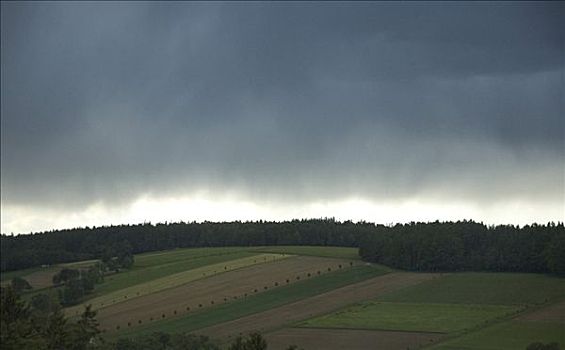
[[352, 290], [200, 273]]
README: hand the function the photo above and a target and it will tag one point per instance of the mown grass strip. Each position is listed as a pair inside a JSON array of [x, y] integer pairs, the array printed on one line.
[[174, 280], [257, 303], [441, 318]]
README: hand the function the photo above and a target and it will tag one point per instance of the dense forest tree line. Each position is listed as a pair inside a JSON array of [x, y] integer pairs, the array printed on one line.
[[467, 245], [45, 248], [436, 246]]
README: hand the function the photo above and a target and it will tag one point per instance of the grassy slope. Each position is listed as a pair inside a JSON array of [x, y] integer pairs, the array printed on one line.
[[323, 251], [154, 265], [511, 335], [445, 318], [148, 271], [178, 260], [175, 255], [483, 288], [493, 288], [150, 266], [257, 303], [175, 280]]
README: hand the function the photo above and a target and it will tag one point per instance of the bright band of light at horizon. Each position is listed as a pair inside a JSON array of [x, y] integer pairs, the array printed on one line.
[[198, 208]]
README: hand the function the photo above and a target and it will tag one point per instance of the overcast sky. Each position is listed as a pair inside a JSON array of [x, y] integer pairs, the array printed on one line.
[[129, 112]]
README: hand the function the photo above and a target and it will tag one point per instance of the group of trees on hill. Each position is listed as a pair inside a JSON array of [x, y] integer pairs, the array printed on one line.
[[467, 246], [46, 248], [41, 325], [37, 327], [20, 285], [77, 283], [437, 246]]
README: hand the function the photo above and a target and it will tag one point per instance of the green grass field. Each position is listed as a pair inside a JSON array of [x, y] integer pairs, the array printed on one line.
[[153, 269], [175, 280], [512, 335], [443, 318], [483, 288], [322, 251], [257, 303]]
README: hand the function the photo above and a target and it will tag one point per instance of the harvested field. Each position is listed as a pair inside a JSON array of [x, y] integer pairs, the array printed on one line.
[[174, 280], [43, 278], [215, 290], [40, 278], [341, 339], [317, 305], [552, 313]]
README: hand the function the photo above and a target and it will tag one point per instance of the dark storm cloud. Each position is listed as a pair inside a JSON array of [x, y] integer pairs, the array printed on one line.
[[289, 101]]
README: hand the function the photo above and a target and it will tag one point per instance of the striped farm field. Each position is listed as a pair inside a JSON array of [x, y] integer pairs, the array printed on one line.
[[312, 305], [254, 312], [217, 289], [176, 255], [174, 280], [317, 297], [158, 267]]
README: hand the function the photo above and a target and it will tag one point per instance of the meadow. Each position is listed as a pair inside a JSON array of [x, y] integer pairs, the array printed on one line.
[[484, 288], [440, 318], [481, 311]]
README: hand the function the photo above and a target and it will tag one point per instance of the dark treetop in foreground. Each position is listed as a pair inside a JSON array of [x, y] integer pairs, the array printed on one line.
[[437, 246]]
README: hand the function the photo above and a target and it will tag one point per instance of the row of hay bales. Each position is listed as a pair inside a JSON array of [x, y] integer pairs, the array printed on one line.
[[226, 299]]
